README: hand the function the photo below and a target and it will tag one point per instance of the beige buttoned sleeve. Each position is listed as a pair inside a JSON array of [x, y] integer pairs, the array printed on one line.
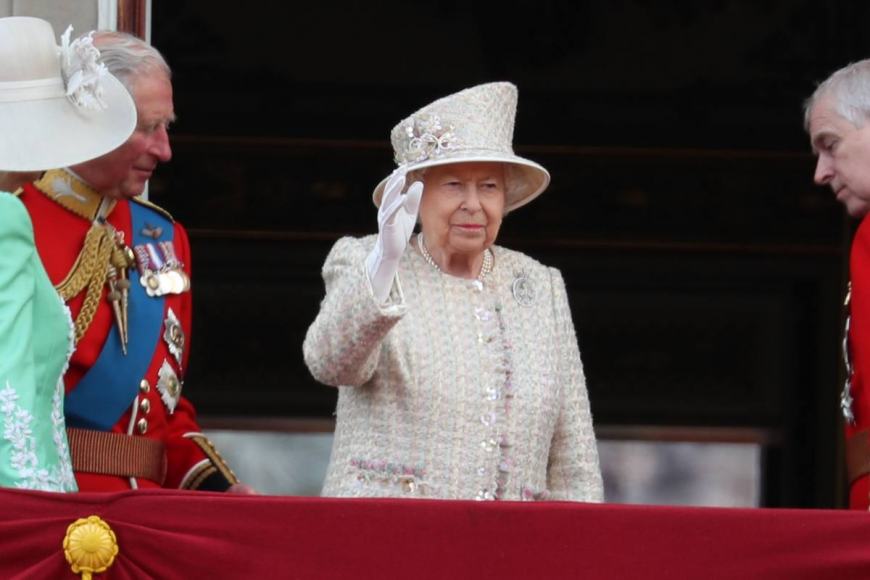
[[343, 344]]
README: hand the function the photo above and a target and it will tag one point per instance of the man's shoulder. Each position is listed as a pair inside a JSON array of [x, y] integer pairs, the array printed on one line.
[[153, 207]]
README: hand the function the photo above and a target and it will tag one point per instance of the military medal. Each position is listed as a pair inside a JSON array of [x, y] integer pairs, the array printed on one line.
[[152, 231], [168, 251], [846, 403], [165, 286], [176, 283], [151, 283], [160, 271], [155, 260], [846, 400], [147, 277], [173, 335], [169, 386]]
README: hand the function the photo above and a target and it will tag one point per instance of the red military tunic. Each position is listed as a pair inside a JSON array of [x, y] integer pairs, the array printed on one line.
[[857, 449], [62, 216]]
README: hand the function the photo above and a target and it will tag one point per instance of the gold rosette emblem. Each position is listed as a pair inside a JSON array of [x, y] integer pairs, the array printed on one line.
[[90, 546]]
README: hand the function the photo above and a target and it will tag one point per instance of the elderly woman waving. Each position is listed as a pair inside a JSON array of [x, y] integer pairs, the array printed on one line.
[[457, 365]]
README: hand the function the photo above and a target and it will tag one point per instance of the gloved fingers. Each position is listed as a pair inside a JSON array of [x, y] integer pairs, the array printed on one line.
[[412, 199], [392, 190], [387, 213]]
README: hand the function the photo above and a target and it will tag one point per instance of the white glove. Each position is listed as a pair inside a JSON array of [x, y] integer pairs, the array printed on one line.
[[396, 218]]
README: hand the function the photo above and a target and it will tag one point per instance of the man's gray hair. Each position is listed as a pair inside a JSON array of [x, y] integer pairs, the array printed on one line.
[[850, 89], [129, 57]]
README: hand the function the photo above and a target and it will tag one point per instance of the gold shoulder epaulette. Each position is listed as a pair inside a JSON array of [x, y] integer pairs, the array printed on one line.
[[155, 207]]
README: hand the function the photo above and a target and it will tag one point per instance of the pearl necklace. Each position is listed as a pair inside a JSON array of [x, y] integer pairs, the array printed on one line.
[[485, 269]]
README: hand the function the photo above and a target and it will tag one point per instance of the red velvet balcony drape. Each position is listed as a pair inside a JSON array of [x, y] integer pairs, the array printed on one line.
[[169, 534]]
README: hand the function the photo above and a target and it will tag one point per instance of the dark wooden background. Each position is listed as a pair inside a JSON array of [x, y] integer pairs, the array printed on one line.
[[705, 269]]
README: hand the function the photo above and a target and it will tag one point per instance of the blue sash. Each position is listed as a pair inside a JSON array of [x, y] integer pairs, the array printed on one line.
[[107, 390]]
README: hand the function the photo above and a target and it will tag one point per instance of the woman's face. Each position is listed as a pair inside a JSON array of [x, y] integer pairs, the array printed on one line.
[[462, 206]]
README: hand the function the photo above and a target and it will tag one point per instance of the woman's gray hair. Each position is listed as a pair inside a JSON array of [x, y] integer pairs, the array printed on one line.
[[850, 88], [128, 57]]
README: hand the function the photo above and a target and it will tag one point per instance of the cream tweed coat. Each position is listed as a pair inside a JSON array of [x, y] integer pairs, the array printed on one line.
[[454, 389]]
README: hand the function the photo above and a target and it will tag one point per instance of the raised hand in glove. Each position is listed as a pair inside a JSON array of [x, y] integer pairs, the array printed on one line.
[[396, 218]]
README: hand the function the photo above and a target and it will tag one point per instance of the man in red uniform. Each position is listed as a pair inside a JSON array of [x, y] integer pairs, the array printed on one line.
[[123, 267], [837, 118]]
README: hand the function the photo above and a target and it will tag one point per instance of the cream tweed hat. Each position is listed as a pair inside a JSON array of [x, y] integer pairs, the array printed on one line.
[[476, 124], [58, 104]]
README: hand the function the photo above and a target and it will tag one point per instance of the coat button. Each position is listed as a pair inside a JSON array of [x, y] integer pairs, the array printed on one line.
[[144, 387], [145, 405], [142, 425]]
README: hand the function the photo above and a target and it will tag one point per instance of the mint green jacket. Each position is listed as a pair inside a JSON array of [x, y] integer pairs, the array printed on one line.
[[35, 346]]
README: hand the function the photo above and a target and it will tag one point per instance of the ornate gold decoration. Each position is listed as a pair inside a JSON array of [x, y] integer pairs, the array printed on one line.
[[121, 260], [90, 546], [73, 194], [104, 258], [216, 459], [90, 271], [155, 207]]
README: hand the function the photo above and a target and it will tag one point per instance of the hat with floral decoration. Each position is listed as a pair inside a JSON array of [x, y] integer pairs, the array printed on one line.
[[473, 125], [59, 105]]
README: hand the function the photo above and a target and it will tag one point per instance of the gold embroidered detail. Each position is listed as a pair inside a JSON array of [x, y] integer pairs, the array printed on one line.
[[155, 207], [90, 271], [203, 473], [119, 285], [209, 449], [72, 193], [104, 258]]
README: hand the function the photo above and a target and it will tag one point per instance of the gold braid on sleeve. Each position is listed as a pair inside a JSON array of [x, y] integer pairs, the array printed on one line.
[[207, 447]]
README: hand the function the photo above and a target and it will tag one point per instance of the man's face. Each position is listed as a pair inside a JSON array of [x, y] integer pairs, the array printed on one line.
[[122, 173], [843, 152]]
